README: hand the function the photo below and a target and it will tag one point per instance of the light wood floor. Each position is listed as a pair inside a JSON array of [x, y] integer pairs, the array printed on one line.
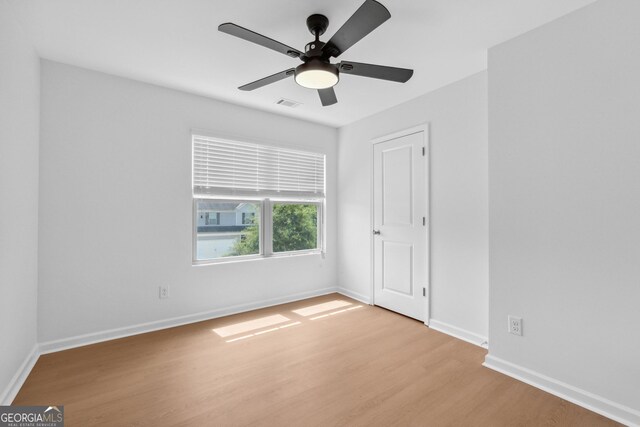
[[360, 367]]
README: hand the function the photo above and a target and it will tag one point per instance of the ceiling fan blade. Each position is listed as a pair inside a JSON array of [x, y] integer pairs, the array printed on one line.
[[401, 75], [268, 80], [366, 19], [327, 96], [252, 36]]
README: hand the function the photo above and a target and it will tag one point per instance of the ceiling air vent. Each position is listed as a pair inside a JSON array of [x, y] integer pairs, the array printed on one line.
[[288, 103]]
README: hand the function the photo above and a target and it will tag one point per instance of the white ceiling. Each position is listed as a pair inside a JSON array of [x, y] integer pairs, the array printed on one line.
[[175, 43]]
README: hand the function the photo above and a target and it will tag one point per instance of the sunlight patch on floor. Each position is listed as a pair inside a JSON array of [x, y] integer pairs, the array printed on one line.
[[319, 308], [335, 312], [250, 325], [263, 332], [265, 325]]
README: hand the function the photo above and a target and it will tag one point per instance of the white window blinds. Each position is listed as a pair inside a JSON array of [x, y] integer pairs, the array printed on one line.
[[245, 169]]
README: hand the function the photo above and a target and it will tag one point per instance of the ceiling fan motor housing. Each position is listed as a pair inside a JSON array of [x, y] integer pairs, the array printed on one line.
[[313, 49]]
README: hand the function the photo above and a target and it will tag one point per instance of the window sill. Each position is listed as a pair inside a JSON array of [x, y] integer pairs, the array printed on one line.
[[249, 258]]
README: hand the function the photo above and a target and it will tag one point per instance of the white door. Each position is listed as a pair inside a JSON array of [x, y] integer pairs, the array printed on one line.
[[400, 255]]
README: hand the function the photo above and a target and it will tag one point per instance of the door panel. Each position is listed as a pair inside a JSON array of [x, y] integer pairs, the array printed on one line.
[[400, 256], [397, 258], [396, 183]]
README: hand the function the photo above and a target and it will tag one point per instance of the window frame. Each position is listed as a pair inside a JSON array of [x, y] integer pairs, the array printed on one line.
[[265, 201], [266, 231]]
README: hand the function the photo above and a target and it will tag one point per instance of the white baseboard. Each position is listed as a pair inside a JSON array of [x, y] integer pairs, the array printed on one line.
[[355, 295], [595, 403], [12, 389], [96, 337], [462, 334]]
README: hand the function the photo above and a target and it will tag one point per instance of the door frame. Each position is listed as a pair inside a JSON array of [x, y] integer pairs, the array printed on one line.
[[424, 127]]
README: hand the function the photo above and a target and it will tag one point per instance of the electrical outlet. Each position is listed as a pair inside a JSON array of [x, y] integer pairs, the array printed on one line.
[[515, 325], [163, 292]]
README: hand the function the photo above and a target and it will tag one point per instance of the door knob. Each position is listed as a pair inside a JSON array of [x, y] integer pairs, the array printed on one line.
[[376, 232]]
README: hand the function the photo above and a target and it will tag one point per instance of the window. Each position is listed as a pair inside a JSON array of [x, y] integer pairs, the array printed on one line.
[[253, 200], [212, 218], [248, 218]]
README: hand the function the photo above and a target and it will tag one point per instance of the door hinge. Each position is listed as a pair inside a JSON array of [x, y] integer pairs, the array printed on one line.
[[423, 151], [424, 292], [424, 220]]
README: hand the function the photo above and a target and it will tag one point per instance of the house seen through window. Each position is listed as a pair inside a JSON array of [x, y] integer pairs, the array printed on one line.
[[253, 200]]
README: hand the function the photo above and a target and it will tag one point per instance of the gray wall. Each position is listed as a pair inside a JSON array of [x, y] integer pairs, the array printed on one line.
[[457, 115], [19, 121], [112, 149], [564, 198]]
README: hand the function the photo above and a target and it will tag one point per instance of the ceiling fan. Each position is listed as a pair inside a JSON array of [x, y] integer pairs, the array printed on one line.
[[317, 71]]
